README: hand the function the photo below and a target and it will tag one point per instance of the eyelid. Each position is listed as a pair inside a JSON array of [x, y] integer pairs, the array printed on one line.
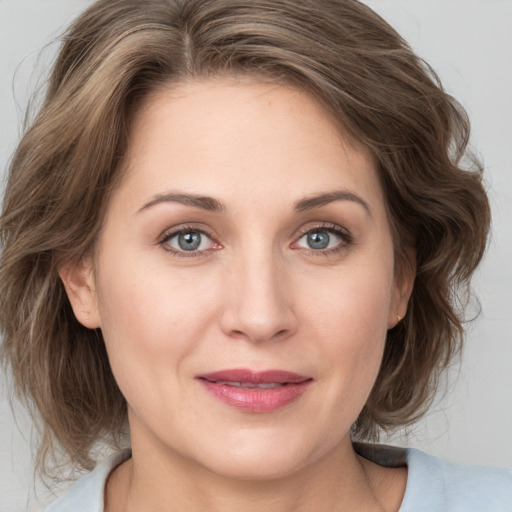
[[326, 226]]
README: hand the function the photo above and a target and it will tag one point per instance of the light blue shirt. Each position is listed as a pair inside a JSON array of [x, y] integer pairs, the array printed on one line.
[[432, 484]]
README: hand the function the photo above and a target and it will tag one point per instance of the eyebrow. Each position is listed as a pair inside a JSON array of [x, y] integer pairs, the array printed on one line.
[[204, 202], [316, 201], [213, 205]]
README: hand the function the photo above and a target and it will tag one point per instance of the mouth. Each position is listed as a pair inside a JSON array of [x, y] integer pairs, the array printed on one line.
[[250, 385], [256, 392]]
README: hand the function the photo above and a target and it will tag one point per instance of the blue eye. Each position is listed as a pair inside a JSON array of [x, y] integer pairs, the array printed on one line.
[[323, 239], [318, 240], [188, 240]]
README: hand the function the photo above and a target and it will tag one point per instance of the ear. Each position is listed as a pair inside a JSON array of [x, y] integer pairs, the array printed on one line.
[[78, 280], [402, 289]]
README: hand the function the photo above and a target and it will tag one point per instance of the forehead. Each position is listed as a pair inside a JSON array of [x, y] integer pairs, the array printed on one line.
[[218, 137]]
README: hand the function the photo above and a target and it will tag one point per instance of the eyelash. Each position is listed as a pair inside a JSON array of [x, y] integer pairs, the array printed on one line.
[[327, 227]]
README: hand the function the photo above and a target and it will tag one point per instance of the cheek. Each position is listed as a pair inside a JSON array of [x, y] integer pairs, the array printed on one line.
[[349, 320], [151, 316], [153, 324], [353, 306]]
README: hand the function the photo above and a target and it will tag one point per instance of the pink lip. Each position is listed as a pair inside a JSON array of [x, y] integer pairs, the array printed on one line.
[[290, 386]]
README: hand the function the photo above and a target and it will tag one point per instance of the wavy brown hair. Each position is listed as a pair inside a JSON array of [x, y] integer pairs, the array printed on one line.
[[68, 162]]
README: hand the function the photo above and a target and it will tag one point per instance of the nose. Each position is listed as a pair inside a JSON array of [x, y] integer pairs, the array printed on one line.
[[259, 304]]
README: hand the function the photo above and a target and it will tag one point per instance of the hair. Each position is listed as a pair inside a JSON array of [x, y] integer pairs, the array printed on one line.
[[68, 162]]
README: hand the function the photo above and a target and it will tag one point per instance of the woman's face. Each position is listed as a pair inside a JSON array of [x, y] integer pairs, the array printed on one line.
[[243, 280]]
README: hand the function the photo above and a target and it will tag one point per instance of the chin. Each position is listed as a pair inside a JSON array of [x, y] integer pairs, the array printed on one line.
[[261, 459], [256, 468]]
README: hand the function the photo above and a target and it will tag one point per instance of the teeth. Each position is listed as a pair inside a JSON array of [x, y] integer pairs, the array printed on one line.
[[251, 385]]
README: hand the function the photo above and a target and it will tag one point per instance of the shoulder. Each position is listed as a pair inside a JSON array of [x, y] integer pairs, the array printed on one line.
[[456, 487], [86, 494], [437, 485]]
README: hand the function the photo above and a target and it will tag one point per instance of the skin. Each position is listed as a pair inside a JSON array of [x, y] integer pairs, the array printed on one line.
[[255, 295]]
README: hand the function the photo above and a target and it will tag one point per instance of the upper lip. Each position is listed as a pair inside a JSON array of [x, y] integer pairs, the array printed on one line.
[[254, 377]]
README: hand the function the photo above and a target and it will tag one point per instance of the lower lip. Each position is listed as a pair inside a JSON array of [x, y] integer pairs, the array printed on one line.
[[256, 399]]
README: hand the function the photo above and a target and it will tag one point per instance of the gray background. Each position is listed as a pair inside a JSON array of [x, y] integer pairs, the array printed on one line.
[[469, 43]]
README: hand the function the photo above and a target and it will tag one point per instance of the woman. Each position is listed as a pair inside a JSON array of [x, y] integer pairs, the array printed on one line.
[[235, 232]]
